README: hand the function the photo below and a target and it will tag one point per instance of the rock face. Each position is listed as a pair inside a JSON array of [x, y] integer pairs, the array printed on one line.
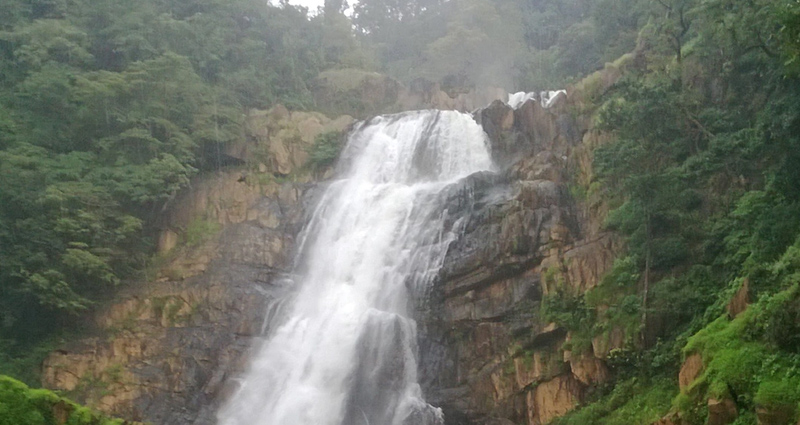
[[740, 300], [279, 141], [721, 412], [168, 349], [485, 352], [690, 370]]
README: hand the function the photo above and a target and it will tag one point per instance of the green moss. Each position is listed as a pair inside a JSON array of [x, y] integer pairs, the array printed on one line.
[[578, 192], [114, 372], [509, 368], [778, 392], [739, 359], [170, 308], [20, 405], [325, 150], [200, 230]]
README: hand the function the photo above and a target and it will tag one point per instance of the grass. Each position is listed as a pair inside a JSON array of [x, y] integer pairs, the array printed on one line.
[[631, 402]]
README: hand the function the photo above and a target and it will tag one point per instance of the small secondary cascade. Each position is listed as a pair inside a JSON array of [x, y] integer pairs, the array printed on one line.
[[546, 98], [345, 353]]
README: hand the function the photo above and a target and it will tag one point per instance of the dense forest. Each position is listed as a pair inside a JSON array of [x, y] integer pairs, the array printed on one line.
[[108, 108]]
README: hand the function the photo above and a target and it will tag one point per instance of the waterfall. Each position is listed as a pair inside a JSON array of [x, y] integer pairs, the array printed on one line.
[[345, 352]]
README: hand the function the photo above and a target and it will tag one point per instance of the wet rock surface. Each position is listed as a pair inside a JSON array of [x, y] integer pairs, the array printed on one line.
[[486, 354]]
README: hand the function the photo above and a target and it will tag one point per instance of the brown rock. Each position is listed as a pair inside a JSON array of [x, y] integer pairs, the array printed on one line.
[[539, 123], [721, 412], [588, 369], [553, 399], [740, 300], [603, 344], [498, 421], [670, 419], [167, 241], [774, 415], [690, 370], [610, 75], [278, 112], [586, 263], [61, 412], [535, 367]]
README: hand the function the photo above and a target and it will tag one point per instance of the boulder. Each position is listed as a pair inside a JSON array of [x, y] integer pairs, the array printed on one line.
[[774, 415], [721, 411], [740, 300], [552, 399], [691, 369], [589, 370]]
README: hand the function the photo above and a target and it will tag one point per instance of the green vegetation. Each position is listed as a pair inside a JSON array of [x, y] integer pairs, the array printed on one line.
[[325, 150], [22, 405], [635, 401], [702, 179], [108, 108]]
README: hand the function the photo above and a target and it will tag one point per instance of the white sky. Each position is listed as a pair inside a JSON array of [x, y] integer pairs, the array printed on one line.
[[312, 5]]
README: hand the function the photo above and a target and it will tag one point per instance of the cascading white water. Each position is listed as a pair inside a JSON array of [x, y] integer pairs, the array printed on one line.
[[346, 352], [546, 98]]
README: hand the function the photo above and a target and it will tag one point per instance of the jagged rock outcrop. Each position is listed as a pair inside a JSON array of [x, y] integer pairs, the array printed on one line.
[[279, 140], [487, 354], [775, 415], [740, 300], [721, 411], [690, 370]]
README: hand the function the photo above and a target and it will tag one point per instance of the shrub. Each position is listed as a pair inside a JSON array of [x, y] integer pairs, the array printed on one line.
[[20, 405], [325, 150]]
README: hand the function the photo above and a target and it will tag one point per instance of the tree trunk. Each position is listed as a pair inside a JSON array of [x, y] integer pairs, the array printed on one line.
[[647, 260]]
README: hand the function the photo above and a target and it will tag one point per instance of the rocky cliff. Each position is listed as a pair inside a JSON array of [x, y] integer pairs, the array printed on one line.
[[488, 355], [169, 348]]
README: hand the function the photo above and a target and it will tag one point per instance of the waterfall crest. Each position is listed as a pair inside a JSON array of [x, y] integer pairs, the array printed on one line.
[[345, 352]]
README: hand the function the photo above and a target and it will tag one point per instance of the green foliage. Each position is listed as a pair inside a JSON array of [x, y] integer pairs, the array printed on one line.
[[703, 183], [631, 402], [23, 361], [569, 311], [741, 358], [22, 405], [325, 150], [107, 109]]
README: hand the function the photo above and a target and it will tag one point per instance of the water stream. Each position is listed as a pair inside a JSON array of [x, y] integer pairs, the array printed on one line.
[[345, 352]]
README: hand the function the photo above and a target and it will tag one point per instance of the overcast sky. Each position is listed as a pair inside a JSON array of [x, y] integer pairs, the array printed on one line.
[[312, 5]]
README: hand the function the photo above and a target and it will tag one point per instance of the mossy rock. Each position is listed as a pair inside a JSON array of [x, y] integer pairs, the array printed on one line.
[[20, 405]]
